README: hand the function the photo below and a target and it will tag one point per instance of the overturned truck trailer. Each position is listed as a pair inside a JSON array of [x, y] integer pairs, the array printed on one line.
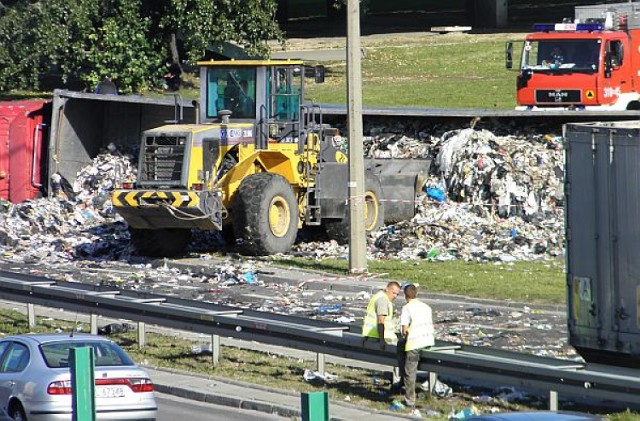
[[84, 124]]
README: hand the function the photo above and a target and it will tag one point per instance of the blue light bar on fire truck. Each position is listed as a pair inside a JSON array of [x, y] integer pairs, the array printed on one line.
[[547, 27]]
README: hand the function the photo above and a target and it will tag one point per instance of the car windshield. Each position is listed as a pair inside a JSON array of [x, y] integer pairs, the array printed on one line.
[[56, 354], [575, 55]]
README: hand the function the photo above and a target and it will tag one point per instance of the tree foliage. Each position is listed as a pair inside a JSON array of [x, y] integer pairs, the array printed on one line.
[[78, 42]]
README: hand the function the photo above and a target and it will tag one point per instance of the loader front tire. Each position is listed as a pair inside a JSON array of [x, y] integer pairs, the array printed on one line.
[[338, 229], [166, 242], [265, 215]]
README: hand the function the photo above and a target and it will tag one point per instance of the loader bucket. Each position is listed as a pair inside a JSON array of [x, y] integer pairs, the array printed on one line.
[[401, 180]]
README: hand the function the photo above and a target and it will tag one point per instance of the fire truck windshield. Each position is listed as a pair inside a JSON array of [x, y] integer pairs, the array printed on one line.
[[561, 55]]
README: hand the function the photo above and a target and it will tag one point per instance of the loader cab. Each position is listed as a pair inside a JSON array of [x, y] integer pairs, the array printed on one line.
[[265, 92]]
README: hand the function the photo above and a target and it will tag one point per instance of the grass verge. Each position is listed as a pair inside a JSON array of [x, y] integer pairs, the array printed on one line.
[[530, 281], [454, 70]]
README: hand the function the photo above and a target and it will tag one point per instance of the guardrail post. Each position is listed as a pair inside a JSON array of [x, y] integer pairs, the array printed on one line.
[[215, 349], [321, 361], [315, 406], [142, 340], [553, 400], [83, 384], [94, 323], [31, 314]]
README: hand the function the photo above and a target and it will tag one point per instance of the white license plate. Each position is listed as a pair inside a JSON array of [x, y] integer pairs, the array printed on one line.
[[109, 392]]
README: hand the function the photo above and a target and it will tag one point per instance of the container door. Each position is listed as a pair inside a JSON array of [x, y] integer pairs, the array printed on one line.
[[603, 236], [584, 191], [624, 156], [26, 144]]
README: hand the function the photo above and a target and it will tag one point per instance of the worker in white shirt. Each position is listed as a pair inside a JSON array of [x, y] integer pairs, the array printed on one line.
[[416, 321]]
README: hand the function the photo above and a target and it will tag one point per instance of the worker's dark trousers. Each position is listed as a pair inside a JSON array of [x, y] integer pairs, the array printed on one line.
[[398, 372], [411, 360]]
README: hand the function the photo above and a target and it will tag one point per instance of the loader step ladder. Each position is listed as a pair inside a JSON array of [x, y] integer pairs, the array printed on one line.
[[312, 216]]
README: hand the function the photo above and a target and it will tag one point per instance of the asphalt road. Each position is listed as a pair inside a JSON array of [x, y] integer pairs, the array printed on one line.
[[518, 327], [172, 408]]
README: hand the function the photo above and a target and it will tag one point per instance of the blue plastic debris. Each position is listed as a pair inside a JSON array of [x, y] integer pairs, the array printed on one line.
[[396, 405], [436, 194], [250, 277], [464, 414], [335, 308]]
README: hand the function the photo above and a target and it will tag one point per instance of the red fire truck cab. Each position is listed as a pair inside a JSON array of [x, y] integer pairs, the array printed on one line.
[[592, 63]]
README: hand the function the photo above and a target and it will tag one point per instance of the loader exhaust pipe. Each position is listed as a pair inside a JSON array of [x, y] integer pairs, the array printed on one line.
[[224, 116]]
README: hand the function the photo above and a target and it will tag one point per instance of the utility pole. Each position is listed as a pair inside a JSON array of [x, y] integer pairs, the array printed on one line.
[[357, 235]]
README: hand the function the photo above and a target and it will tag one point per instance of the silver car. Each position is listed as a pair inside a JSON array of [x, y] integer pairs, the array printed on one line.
[[35, 379]]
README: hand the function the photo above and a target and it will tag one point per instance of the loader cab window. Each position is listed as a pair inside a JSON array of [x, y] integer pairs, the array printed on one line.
[[233, 89], [286, 86], [561, 56]]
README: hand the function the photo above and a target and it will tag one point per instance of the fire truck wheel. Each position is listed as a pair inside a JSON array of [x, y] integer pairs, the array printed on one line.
[[338, 229], [161, 242], [265, 215]]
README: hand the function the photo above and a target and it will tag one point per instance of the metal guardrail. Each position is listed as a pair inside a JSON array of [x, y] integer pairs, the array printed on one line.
[[566, 115], [482, 363]]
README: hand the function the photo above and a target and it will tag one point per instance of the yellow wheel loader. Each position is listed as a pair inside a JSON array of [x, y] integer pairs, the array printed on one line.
[[258, 166]]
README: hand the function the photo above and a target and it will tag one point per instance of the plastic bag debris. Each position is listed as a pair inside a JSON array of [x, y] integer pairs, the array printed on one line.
[[316, 376], [114, 328], [436, 194], [511, 394], [464, 414], [335, 308], [415, 413], [396, 405], [441, 389], [250, 278]]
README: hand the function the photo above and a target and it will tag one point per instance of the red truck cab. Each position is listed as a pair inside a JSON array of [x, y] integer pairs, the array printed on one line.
[[591, 65]]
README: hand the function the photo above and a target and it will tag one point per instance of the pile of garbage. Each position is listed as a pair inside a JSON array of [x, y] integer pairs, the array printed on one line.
[[77, 222], [488, 198]]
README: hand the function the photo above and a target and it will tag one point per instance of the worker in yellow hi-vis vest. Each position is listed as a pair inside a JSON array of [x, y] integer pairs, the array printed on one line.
[[416, 321], [379, 324]]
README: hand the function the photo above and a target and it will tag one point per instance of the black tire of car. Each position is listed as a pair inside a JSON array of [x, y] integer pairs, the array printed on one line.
[[265, 215], [166, 242], [17, 413], [338, 229]]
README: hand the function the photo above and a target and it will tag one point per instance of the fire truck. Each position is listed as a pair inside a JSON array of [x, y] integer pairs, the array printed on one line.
[[590, 63]]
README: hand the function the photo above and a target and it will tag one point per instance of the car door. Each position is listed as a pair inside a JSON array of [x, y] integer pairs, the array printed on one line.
[[617, 80], [15, 358]]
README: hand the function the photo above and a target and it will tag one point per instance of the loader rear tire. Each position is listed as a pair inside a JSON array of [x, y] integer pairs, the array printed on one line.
[[166, 242], [338, 229], [265, 215]]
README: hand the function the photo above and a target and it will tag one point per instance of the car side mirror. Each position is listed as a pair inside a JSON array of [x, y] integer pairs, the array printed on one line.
[[509, 55]]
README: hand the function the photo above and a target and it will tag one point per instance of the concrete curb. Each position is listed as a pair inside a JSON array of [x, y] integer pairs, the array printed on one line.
[[198, 382], [230, 401]]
